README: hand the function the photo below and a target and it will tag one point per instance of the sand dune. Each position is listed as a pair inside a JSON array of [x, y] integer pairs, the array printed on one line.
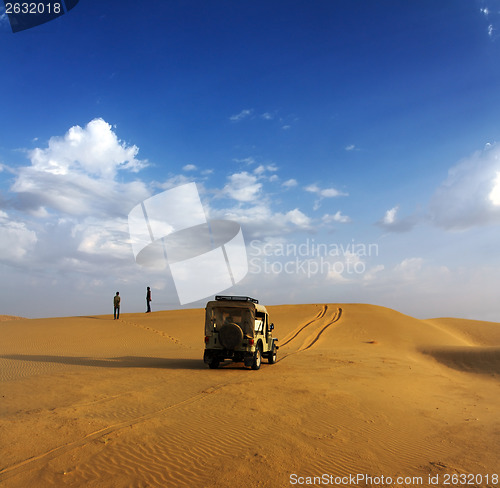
[[357, 390], [4, 318]]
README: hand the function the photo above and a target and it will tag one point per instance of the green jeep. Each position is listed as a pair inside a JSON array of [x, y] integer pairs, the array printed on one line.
[[238, 328]]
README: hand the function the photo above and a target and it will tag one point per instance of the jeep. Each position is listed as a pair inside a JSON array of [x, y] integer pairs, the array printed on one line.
[[238, 328]]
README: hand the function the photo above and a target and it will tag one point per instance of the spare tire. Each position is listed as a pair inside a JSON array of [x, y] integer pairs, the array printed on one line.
[[231, 336]]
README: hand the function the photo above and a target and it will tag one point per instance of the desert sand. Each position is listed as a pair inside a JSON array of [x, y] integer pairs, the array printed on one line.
[[358, 390]]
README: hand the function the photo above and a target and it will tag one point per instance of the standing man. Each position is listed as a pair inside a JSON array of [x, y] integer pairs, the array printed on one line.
[[116, 303], [148, 300]]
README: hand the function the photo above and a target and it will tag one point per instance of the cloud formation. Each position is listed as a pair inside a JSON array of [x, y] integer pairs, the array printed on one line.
[[16, 240], [390, 221], [336, 217], [254, 207], [325, 192], [69, 204], [243, 187], [76, 174], [242, 115], [94, 150], [470, 195], [492, 16], [409, 268], [259, 220], [291, 183], [351, 147]]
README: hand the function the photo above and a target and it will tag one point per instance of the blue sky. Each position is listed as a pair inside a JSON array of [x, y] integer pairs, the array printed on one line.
[[323, 122]]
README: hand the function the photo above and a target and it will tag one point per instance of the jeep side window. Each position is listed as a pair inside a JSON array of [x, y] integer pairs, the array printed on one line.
[[259, 324], [211, 319]]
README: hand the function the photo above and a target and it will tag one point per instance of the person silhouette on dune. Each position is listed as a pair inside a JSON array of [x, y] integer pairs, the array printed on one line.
[[148, 300], [116, 303]]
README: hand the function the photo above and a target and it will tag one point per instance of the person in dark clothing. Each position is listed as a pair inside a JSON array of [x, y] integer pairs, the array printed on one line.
[[148, 300], [116, 303]]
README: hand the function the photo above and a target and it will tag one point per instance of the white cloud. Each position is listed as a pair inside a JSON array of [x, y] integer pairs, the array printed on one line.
[[243, 187], [346, 268], [372, 273], [350, 147], [323, 193], [494, 195], [390, 216], [331, 192], [94, 150], [189, 167], [253, 206], [298, 218], [71, 196], [242, 115], [291, 183], [336, 276], [74, 193], [247, 161], [267, 116], [260, 221], [391, 222], [261, 169], [16, 240], [336, 217], [7, 169], [326, 192], [76, 174], [103, 238], [173, 181], [409, 268], [469, 196], [491, 14]]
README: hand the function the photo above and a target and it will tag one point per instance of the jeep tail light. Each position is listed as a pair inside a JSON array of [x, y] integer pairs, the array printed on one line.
[[250, 342], [207, 338]]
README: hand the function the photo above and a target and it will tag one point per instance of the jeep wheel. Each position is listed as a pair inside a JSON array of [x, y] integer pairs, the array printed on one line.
[[213, 363], [257, 358], [271, 359]]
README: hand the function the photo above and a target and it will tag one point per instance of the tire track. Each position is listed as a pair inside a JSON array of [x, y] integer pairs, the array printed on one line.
[[313, 338], [319, 315], [335, 318]]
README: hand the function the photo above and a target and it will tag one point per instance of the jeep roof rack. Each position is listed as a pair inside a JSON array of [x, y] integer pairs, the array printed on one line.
[[236, 298]]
